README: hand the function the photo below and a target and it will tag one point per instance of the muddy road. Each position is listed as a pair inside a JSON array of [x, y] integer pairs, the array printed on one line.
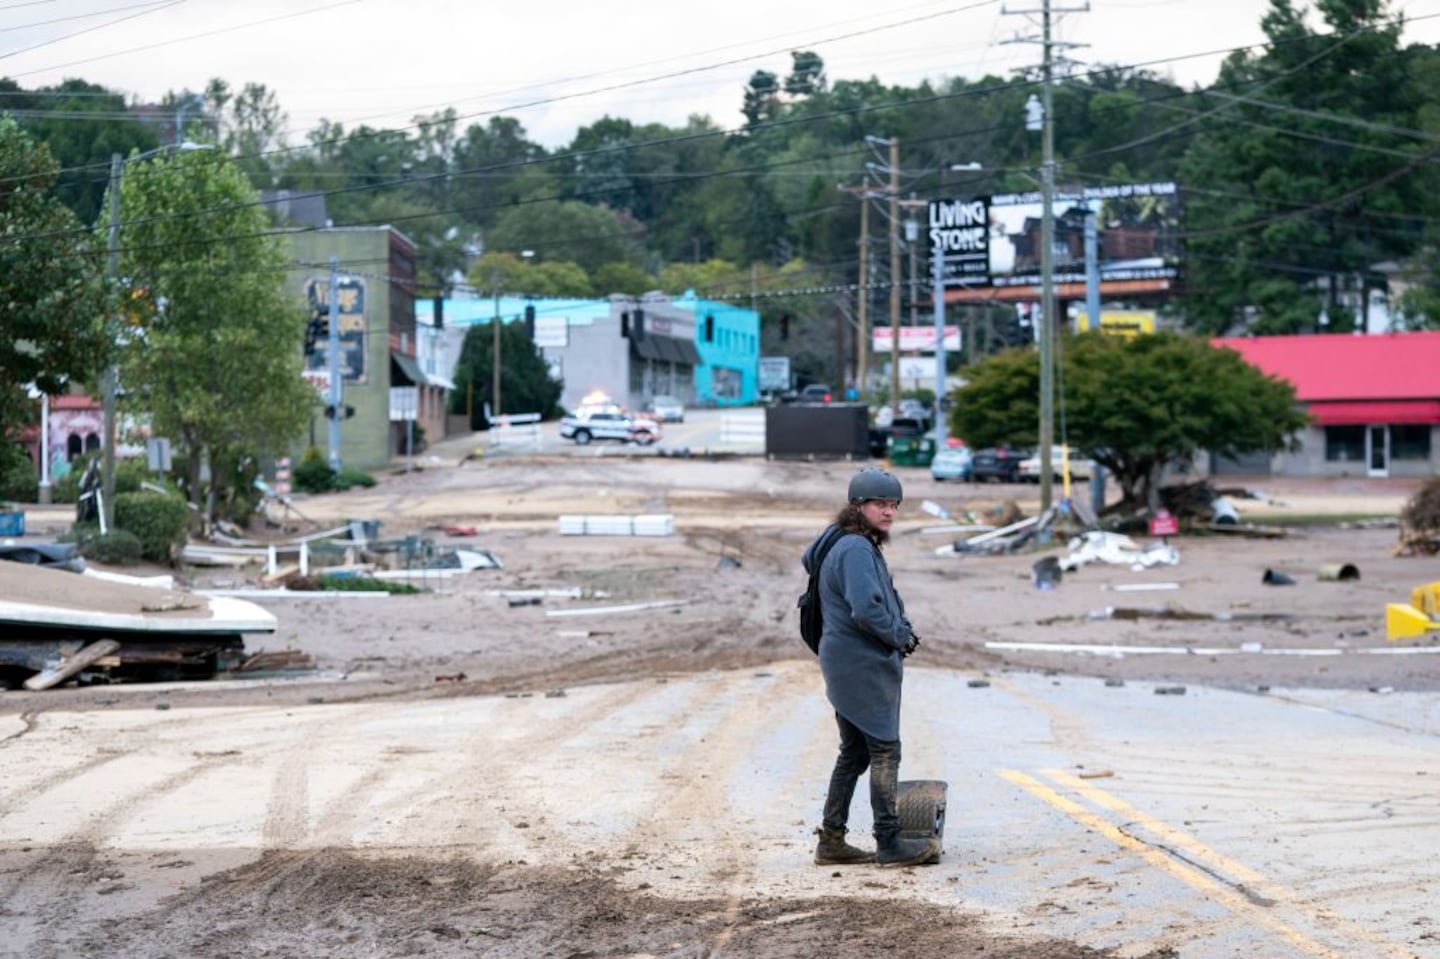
[[462, 776]]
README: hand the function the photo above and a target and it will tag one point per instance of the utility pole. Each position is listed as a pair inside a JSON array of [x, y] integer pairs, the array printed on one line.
[[894, 192], [862, 337], [1047, 273], [110, 379], [1047, 250], [337, 389], [495, 350]]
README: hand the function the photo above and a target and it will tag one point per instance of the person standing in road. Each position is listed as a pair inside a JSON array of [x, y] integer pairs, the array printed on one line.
[[863, 645]]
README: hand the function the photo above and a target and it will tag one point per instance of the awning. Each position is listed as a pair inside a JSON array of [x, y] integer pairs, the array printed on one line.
[[408, 369], [666, 349], [1377, 412]]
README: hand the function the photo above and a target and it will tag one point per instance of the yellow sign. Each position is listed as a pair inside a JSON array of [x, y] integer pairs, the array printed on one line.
[[1125, 323]]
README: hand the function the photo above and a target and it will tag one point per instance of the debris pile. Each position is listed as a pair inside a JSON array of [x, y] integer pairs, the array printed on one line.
[[1064, 518], [1420, 522]]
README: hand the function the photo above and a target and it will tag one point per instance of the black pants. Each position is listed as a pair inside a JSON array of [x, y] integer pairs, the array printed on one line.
[[857, 752]]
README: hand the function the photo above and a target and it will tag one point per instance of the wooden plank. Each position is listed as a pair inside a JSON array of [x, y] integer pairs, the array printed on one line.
[[71, 666]]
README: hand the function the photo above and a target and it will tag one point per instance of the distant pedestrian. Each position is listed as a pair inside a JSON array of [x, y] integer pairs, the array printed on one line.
[[865, 640]]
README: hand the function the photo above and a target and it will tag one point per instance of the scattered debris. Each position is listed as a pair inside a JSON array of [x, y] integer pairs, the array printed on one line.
[[567, 592], [451, 678], [1114, 682], [297, 593], [281, 659], [1339, 571], [1045, 573], [523, 601], [1252, 530], [1118, 549], [1169, 690], [1273, 577], [1140, 587], [1199, 503], [978, 684], [49, 555], [660, 524], [728, 562], [1416, 618], [1099, 774], [627, 608]]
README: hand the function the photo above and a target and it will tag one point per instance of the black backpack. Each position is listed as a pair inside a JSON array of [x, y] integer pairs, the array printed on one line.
[[812, 621]]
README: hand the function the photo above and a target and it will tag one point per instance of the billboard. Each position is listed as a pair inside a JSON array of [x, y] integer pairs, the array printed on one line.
[[1138, 227], [914, 339], [351, 319], [774, 374]]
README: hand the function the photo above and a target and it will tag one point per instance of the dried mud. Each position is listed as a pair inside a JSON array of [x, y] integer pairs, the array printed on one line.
[[734, 566]]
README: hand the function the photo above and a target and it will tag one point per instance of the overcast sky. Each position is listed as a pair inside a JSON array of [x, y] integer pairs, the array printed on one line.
[[561, 64]]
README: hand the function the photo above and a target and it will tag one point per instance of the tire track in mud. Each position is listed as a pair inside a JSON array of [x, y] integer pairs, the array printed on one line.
[[480, 758], [81, 852], [82, 849], [706, 769]]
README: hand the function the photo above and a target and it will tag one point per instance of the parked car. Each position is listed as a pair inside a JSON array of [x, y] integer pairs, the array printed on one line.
[[952, 463], [816, 393], [917, 410], [608, 425], [1030, 466], [666, 409], [997, 463]]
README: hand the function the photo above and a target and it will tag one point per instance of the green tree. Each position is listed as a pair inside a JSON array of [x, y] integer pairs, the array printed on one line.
[[1306, 170], [1135, 406], [52, 307], [250, 124], [525, 383], [57, 116], [569, 230], [213, 358]]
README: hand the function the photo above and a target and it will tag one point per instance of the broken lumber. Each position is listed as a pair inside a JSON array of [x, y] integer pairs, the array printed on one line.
[[72, 665]]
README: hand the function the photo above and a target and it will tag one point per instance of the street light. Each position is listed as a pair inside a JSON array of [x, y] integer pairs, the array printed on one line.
[[110, 379]]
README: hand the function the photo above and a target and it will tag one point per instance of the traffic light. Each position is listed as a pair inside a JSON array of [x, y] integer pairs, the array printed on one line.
[[314, 330], [346, 412], [637, 325], [709, 328], [530, 320], [784, 326], [625, 324]]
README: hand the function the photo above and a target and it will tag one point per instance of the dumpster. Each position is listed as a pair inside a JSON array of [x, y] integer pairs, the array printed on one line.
[[911, 450]]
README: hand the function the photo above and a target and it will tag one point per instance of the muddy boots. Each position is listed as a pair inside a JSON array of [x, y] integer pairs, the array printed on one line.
[[833, 850], [897, 850]]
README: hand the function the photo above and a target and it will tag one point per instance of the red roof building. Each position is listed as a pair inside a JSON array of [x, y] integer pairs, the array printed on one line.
[[1374, 401]]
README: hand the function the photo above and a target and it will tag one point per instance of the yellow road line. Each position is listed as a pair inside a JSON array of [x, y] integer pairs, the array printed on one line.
[[1197, 851], [1189, 875], [1191, 846]]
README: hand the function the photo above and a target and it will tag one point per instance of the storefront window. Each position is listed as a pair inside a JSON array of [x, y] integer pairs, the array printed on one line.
[[1410, 441], [1345, 444], [726, 383]]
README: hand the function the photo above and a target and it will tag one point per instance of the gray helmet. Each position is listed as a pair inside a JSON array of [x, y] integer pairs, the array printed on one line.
[[874, 483]]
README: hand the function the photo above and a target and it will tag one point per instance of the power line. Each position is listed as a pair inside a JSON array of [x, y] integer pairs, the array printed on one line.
[[98, 26]]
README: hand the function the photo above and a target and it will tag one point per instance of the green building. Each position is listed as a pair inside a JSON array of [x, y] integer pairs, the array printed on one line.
[[382, 383]]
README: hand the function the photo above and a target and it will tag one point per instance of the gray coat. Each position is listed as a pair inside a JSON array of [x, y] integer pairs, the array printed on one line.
[[865, 629]]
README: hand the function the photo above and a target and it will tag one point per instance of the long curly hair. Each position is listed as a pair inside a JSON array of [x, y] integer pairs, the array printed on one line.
[[851, 520]]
